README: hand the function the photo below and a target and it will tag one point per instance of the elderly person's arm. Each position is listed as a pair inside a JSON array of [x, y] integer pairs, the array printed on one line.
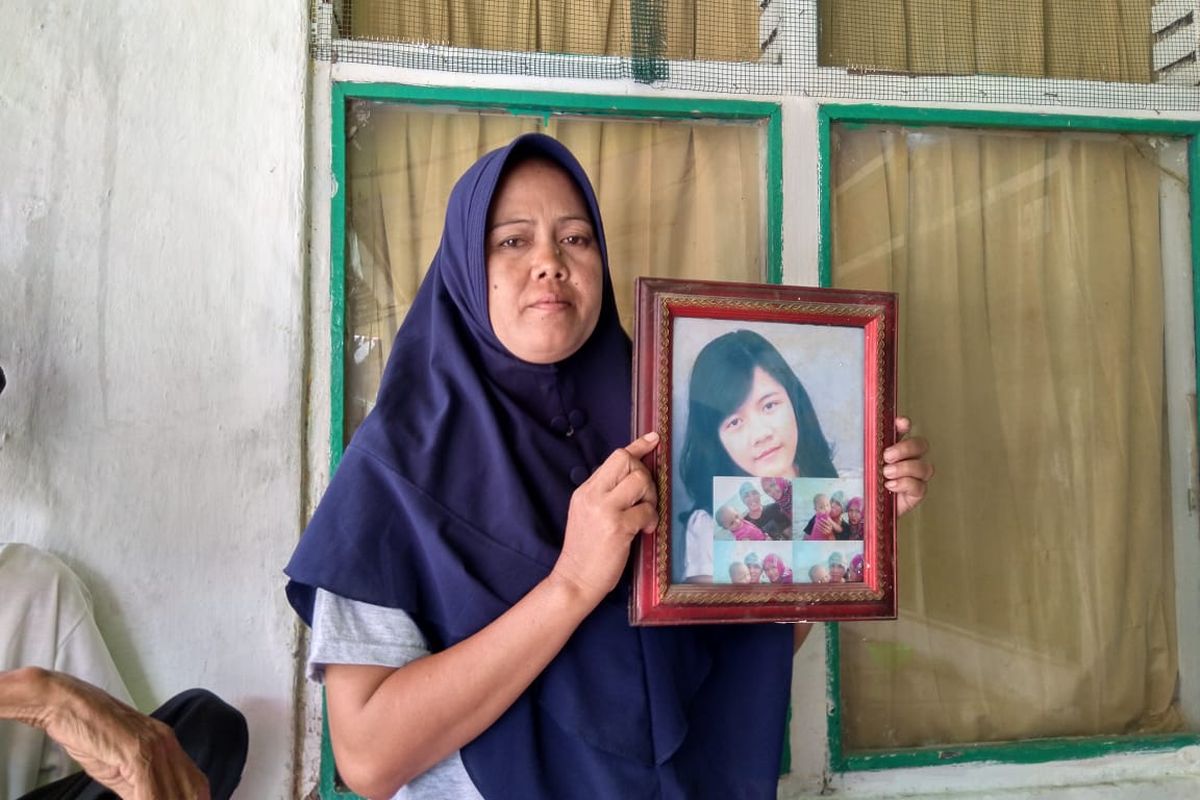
[[135, 756], [906, 472]]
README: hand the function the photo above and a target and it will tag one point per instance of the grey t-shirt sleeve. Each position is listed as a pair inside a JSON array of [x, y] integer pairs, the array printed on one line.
[[350, 632]]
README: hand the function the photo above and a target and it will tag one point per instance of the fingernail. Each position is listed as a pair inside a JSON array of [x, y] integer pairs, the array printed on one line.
[[890, 484], [652, 436], [889, 471]]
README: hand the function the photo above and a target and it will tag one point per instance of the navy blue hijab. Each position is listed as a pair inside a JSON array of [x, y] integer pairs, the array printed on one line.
[[450, 503]]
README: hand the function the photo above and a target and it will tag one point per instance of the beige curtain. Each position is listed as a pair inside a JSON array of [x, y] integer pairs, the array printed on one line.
[[1036, 594], [719, 30], [1106, 40], [678, 199]]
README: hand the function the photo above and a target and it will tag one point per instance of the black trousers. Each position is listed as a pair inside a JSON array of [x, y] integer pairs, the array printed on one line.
[[210, 730]]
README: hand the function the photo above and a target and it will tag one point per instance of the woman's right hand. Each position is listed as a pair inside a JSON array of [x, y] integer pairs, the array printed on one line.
[[607, 511]]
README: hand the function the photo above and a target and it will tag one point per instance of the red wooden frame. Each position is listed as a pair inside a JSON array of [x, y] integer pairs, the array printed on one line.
[[661, 303]]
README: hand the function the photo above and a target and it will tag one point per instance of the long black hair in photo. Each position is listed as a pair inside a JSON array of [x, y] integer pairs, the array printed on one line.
[[720, 381]]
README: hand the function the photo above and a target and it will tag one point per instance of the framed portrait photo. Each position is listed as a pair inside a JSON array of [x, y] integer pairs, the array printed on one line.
[[774, 404]]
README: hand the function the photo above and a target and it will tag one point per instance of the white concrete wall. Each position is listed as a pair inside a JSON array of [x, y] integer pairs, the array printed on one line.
[[152, 232]]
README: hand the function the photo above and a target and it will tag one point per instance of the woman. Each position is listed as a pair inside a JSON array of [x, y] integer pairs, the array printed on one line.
[[855, 527], [754, 566], [485, 646], [837, 509], [854, 573], [837, 568], [770, 519], [775, 570]]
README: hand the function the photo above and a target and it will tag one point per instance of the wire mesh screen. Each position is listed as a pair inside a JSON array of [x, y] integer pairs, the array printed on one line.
[[613, 38], [1119, 54], [1092, 41]]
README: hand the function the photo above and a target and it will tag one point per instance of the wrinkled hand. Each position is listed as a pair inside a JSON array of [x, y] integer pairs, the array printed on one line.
[[606, 512], [906, 472], [132, 754]]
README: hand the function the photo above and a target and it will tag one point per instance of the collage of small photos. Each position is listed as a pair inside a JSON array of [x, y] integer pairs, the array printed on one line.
[[788, 530]]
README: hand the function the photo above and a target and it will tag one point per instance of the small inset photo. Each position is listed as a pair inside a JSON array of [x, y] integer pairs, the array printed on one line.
[[828, 509], [753, 563], [829, 562], [745, 511]]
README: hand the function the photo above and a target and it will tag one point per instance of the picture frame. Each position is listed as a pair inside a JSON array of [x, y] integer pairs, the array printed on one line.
[[774, 405]]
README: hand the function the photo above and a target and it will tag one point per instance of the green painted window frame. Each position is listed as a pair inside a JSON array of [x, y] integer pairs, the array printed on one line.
[[1031, 751], [540, 104]]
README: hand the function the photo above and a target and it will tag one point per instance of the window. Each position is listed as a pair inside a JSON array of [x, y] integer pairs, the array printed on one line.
[[681, 194], [1046, 316]]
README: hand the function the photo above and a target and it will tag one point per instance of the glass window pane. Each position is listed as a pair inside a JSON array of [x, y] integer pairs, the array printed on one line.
[[678, 199], [1037, 581]]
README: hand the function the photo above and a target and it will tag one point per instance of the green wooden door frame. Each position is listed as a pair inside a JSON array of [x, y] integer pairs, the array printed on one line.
[[534, 104], [852, 116]]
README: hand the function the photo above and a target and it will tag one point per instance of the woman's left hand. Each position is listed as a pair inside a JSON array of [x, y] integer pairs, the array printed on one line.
[[905, 470]]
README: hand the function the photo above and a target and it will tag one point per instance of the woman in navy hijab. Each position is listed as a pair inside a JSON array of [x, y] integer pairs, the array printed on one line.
[[464, 573]]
